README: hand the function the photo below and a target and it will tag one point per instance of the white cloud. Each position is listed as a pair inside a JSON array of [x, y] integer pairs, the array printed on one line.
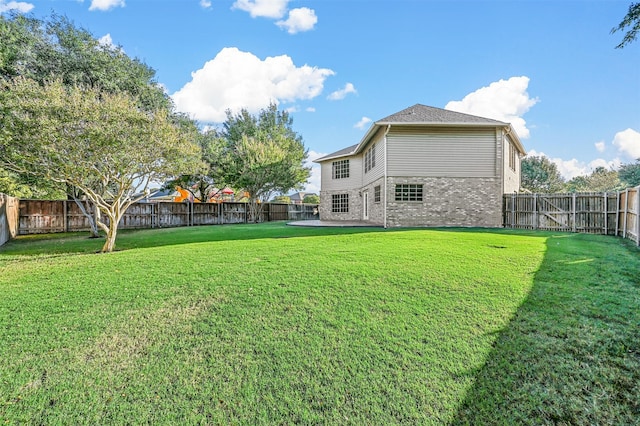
[[18, 6], [205, 4], [628, 143], [263, 8], [574, 167], [600, 146], [235, 80], [105, 4], [362, 123], [314, 180], [107, 41], [342, 93], [310, 109], [300, 20], [504, 100]]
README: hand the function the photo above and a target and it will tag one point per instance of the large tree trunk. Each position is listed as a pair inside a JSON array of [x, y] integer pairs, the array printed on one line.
[[112, 231]]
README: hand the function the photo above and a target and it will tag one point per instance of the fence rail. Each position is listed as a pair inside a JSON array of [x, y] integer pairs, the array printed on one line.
[[46, 216], [609, 213]]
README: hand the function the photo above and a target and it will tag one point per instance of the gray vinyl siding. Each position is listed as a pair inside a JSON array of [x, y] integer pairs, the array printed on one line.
[[511, 182], [378, 171], [442, 152], [328, 183]]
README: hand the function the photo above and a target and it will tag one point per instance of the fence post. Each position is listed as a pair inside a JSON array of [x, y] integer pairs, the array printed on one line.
[[617, 213], [573, 211], [606, 214], [65, 216], [626, 208], [638, 216], [513, 210], [535, 211]]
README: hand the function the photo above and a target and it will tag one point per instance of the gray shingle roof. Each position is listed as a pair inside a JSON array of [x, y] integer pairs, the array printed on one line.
[[342, 152], [425, 114]]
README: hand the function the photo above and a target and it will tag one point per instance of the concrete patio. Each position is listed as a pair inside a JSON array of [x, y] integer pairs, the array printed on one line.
[[334, 223]]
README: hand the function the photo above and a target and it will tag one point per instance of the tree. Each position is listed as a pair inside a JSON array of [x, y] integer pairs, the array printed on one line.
[[262, 155], [201, 185], [600, 180], [45, 50], [630, 174], [539, 174], [311, 199], [285, 199], [100, 143], [632, 20]]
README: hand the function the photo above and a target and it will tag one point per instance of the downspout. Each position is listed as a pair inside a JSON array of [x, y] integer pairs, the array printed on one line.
[[384, 209]]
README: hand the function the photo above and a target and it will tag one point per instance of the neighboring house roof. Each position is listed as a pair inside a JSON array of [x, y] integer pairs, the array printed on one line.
[[299, 196], [422, 115]]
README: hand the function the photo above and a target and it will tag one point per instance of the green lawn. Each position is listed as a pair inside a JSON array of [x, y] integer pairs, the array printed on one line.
[[270, 324]]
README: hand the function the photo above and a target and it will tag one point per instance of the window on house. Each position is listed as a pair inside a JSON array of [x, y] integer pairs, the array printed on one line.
[[340, 169], [370, 158], [409, 192], [340, 203], [512, 157], [376, 194]]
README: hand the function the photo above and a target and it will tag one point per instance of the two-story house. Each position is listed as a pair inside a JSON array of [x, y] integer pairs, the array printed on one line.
[[423, 166]]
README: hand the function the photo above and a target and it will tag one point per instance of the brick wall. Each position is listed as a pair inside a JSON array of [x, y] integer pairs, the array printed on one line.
[[355, 205], [447, 202]]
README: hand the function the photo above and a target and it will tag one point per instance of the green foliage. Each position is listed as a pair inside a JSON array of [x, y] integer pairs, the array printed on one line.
[[200, 184], [311, 199], [262, 155], [541, 175], [600, 180], [631, 20], [630, 174], [285, 199], [463, 327], [100, 143], [28, 186], [55, 49]]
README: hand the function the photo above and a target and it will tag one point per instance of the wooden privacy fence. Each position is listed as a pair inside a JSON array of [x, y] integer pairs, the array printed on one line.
[[8, 218], [44, 216], [609, 213]]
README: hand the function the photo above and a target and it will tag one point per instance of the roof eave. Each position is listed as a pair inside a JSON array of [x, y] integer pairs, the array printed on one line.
[[514, 135], [333, 157], [441, 124]]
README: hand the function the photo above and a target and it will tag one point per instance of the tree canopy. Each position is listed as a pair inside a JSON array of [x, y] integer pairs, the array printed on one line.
[[103, 144], [539, 174], [600, 180], [630, 174], [55, 49], [311, 199], [261, 154], [630, 21]]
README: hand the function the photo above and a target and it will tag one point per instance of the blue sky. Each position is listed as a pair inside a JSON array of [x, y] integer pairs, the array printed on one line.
[[548, 67]]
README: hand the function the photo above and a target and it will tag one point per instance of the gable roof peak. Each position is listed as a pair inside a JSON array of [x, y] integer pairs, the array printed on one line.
[[419, 113]]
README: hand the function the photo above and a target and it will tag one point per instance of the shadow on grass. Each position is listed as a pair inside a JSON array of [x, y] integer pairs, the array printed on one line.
[[80, 243], [53, 245], [571, 354]]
